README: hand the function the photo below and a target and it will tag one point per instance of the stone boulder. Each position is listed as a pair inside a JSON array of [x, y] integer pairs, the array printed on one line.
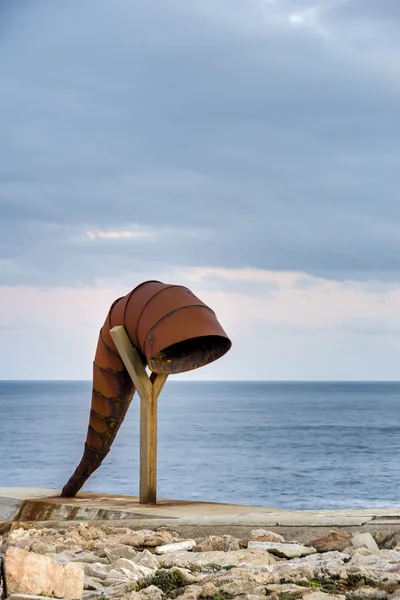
[[147, 559], [333, 541], [185, 545], [239, 581], [323, 596], [367, 593], [283, 550], [219, 543], [195, 592], [201, 560], [263, 535], [35, 574], [333, 564], [2, 594], [287, 589], [388, 541], [382, 568], [150, 593], [364, 540]]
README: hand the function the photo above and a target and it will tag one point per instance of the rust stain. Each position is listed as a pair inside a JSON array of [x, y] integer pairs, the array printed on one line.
[[172, 330]]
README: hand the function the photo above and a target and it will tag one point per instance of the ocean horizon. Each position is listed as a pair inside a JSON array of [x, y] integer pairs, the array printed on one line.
[[286, 444]]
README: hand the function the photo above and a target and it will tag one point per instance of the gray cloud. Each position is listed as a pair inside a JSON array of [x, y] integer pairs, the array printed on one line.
[[249, 286], [349, 327], [368, 9], [242, 139]]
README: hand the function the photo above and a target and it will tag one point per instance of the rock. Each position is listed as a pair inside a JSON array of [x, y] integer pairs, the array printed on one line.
[[361, 552], [169, 529], [79, 556], [93, 595], [187, 545], [287, 589], [227, 543], [133, 538], [147, 559], [391, 541], [97, 570], [150, 593], [323, 596], [109, 530], [367, 593], [224, 543], [118, 551], [90, 533], [238, 581], [20, 536], [263, 535], [145, 538], [333, 541], [152, 539], [332, 563], [382, 537], [119, 589], [2, 592], [65, 557], [364, 540], [41, 547], [184, 575], [92, 583], [283, 550], [25, 597], [118, 576], [381, 568], [115, 570], [72, 541], [260, 596], [124, 565], [201, 560], [88, 557], [206, 546], [194, 592], [29, 573]]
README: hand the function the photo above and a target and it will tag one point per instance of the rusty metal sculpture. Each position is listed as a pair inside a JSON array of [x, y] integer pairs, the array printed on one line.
[[172, 332]]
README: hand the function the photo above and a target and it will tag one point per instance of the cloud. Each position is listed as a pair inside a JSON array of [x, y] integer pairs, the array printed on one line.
[[333, 331], [118, 235], [367, 9], [237, 138]]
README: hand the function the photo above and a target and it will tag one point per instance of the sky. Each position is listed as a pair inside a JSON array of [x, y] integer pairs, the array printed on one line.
[[247, 149]]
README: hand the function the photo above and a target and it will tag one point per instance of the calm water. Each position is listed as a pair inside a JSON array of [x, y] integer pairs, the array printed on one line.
[[292, 445]]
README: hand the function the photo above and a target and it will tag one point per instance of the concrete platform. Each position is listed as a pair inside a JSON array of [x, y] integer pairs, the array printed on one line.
[[44, 505]]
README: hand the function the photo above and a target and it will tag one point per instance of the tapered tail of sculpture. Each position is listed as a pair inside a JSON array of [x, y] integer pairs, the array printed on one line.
[[172, 330]]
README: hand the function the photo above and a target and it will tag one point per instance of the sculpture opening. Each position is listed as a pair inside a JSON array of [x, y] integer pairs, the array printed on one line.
[[189, 354]]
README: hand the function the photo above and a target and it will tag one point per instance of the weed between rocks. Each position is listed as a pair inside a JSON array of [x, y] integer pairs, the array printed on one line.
[[218, 596], [330, 584], [169, 583]]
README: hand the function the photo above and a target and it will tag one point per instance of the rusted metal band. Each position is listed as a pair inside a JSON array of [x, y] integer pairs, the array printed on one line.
[[168, 287], [129, 298], [173, 312]]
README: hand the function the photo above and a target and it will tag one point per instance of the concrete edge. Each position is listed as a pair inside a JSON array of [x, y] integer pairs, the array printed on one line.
[[34, 505]]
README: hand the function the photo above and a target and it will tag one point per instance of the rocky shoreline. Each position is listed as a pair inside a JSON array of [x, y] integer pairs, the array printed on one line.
[[89, 562]]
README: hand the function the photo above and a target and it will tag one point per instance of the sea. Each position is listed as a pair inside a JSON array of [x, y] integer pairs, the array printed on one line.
[[306, 445]]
